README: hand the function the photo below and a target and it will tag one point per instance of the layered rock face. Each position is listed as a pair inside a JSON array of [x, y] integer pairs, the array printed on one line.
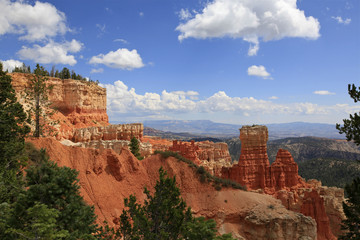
[[111, 132], [114, 137], [281, 180], [106, 178], [79, 103], [213, 156]]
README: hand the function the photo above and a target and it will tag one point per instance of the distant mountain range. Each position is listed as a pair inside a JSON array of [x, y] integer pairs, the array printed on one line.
[[222, 130]]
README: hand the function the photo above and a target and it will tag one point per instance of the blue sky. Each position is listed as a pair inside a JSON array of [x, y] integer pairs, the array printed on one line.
[[230, 61]]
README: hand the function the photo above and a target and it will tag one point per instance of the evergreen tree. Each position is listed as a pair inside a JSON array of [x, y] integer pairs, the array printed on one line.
[[351, 206], [164, 216], [135, 148], [65, 73], [13, 130], [37, 96], [351, 126], [54, 191]]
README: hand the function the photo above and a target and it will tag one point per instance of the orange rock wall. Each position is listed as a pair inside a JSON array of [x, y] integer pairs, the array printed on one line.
[[83, 104], [110, 132], [106, 178], [213, 156], [281, 179]]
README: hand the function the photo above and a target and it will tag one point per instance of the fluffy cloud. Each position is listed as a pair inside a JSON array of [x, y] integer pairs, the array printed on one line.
[[273, 97], [342, 21], [125, 101], [323, 92], [56, 53], [185, 14], [32, 23], [251, 21], [121, 58], [97, 70], [258, 71], [10, 65]]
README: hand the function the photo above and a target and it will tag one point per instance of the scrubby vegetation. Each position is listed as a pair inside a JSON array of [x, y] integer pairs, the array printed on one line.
[[163, 216], [204, 176], [65, 73]]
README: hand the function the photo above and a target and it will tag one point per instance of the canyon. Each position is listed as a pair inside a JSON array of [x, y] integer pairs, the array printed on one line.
[[279, 204]]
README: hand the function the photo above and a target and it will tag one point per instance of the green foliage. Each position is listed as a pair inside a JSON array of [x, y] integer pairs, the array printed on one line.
[[351, 126], [164, 215], [203, 174], [13, 130], [351, 207], [331, 172], [37, 96], [135, 148], [56, 192], [22, 69], [41, 224]]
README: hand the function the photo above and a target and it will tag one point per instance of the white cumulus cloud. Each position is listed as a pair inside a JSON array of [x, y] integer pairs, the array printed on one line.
[[342, 21], [323, 92], [258, 71], [52, 52], [9, 65], [97, 70], [185, 14], [251, 21], [124, 101], [31, 22], [121, 58]]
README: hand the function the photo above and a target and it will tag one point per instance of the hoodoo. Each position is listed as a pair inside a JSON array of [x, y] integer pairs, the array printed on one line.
[[281, 179]]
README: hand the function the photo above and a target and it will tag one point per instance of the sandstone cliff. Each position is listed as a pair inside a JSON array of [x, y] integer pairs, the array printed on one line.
[[281, 180], [79, 103], [106, 178]]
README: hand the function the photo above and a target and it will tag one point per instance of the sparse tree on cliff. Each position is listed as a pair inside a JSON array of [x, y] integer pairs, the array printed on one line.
[[135, 148], [164, 216], [37, 96], [351, 206]]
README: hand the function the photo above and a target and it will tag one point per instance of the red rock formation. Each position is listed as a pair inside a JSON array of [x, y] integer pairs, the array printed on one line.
[[186, 149], [313, 206], [79, 103], [111, 132], [253, 168], [281, 179], [106, 178], [284, 171], [213, 156]]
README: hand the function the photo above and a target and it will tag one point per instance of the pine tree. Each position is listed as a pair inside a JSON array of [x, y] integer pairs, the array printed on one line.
[[135, 148], [55, 191], [351, 206], [13, 130], [351, 126], [164, 216], [37, 96]]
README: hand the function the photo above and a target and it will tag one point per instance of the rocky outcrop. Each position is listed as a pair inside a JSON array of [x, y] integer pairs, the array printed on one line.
[[281, 180], [213, 156], [284, 171], [79, 103], [111, 132], [106, 178], [117, 145]]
